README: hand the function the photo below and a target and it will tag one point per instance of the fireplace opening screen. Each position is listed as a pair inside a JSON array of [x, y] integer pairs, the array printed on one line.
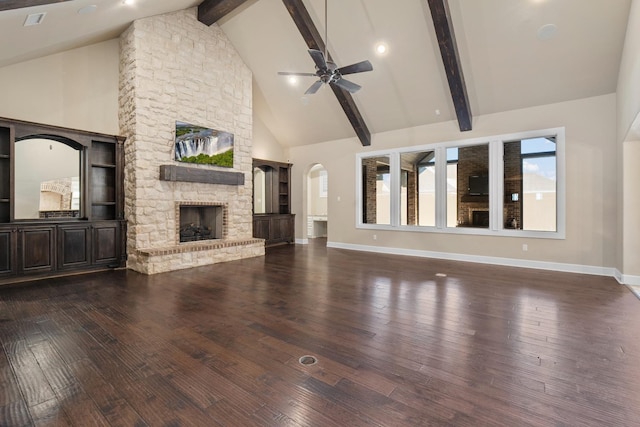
[[200, 223]]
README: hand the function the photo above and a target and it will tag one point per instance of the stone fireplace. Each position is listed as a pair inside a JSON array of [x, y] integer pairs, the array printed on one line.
[[174, 68]]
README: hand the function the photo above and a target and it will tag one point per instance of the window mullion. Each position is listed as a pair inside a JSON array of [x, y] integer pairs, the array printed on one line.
[[441, 187], [496, 182], [395, 182]]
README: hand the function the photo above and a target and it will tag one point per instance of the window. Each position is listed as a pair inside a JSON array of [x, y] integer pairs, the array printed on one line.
[[376, 190], [502, 185], [418, 188], [468, 194], [530, 184]]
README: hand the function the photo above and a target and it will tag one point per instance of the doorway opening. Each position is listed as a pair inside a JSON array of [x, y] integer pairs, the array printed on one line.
[[317, 206]]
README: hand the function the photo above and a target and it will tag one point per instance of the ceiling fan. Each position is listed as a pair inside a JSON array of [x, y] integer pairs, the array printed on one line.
[[327, 71]]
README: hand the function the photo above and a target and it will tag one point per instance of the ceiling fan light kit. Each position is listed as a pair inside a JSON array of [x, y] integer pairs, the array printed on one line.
[[327, 71]]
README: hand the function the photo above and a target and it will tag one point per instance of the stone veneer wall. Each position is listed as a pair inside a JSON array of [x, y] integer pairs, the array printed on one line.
[[172, 67]]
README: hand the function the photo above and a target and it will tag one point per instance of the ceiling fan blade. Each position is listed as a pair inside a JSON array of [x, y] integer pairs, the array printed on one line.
[[314, 88], [287, 73], [360, 67], [318, 58], [347, 85]]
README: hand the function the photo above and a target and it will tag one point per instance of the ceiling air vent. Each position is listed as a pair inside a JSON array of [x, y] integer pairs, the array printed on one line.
[[34, 19]]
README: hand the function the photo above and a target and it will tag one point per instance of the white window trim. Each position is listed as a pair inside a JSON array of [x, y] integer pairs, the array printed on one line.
[[496, 185]]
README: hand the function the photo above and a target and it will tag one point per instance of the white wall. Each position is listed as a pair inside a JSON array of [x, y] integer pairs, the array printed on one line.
[[591, 184]]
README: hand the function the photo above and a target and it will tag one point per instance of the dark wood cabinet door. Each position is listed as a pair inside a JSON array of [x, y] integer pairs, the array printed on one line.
[[74, 246], [106, 242], [37, 249], [261, 227], [274, 228], [7, 251]]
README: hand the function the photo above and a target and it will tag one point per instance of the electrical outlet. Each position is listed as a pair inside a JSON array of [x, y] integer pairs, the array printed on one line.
[[375, 237], [525, 247]]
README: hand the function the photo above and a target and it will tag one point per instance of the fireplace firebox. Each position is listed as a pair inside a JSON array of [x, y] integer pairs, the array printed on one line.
[[201, 222], [480, 218]]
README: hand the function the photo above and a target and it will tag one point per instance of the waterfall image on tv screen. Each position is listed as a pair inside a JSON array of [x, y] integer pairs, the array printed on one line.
[[196, 144]]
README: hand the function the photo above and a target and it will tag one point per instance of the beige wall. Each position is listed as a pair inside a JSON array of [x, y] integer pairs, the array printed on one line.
[[265, 145], [590, 172], [79, 89], [317, 205], [628, 110], [631, 209], [76, 89], [629, 75]]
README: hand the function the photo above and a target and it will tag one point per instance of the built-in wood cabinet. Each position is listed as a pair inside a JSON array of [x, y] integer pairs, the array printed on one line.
[[91, 233], [272, 217], [274, 228], [8, 264]]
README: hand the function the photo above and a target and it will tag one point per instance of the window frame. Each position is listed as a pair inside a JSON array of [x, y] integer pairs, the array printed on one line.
[[496, 186]]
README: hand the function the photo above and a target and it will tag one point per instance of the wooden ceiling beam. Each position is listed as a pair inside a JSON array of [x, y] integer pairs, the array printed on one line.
[[21, 4], [451, 61], [211, 11], [312, 37]]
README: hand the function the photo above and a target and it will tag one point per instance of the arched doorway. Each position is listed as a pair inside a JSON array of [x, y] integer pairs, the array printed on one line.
[[317, 202]]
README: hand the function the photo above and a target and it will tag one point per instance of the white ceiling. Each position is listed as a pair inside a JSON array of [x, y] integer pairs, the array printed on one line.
[[506, 66]]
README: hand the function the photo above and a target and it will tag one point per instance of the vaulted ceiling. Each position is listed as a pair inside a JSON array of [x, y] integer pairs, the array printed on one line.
[[509, 53]]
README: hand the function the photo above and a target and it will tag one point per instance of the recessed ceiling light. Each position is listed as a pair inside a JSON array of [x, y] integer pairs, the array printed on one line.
[[128, 2], [34, 19], [382, 48], [293, 80], [87, 9], [547, 31]]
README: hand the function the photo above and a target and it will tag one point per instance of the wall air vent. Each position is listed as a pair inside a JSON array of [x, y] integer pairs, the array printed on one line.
[[34, 19]]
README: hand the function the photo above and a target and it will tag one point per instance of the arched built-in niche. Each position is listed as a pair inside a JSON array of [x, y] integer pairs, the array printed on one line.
[[317, 196], [47, 178]]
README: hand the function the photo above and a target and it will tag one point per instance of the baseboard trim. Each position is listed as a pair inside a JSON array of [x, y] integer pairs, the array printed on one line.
[[618, 276], [302, 241], [510, 262], [628, 279]]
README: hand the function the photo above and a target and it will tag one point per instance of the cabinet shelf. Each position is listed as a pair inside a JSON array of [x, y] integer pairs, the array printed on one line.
[[103, 203], [103, 165], [4, 156]]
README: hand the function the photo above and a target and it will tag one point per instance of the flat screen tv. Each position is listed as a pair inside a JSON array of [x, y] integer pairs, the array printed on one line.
[[478, 185], [197, 144]]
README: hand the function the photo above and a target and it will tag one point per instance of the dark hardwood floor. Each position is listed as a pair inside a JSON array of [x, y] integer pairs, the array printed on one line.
[[396, 345]]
